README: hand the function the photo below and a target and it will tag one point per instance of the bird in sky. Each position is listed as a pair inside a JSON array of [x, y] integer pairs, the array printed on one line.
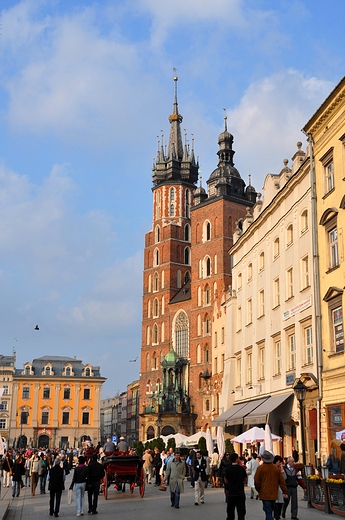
[[133, 360], [37, 327]]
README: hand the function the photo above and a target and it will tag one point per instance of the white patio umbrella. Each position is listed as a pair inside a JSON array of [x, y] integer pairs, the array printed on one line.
[[209, 442], [255, 434], [220, 441], [340, 436]]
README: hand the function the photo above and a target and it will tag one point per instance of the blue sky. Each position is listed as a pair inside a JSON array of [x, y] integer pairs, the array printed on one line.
[[85, 89]]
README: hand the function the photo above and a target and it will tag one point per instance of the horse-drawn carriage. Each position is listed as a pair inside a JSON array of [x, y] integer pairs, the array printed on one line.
[[121, 470]]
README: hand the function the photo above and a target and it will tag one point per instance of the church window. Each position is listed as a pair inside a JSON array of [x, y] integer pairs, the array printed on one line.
[[149, 309], [172, 194], [158, 234], [148, 335], [155, 307], [155, 282], [187, 232], [148, 362], [156, 257], [154, 361], [158, 204], [179, 278], [187, 203], [148, 386], [181, 335], [155, 334], [172, 210], [199, 325], [206, 355], [199, 296], [207, 231], [200, 269], [198, 354], [207, 325], [163, 302], [208, 266], [187, 256], [149, 284], [207, 405], [162, 279], [207, 299], [162, 332]]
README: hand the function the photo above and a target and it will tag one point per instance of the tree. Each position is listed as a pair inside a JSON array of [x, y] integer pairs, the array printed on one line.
[[202, 445]]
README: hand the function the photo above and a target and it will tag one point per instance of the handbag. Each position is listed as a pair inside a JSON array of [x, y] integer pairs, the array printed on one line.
[[249, 471], [162, 487]]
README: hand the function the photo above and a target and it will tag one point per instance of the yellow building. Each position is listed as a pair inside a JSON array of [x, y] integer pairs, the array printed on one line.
[[327, 130], [56, 403], [7, 368]]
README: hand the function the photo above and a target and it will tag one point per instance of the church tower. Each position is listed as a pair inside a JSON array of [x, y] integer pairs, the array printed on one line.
[[167, 273], [187, 273]]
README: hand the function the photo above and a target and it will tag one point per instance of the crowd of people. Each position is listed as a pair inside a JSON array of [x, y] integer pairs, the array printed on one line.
[[270, 479]]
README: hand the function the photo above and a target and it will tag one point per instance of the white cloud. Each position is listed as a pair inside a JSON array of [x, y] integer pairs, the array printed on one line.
[[267, 122]]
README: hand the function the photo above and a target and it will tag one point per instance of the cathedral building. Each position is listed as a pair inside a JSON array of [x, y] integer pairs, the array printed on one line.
[[187, 272]]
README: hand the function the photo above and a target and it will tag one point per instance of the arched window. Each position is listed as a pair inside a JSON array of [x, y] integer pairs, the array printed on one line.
[[208, 266], [181, 335], [207, 325], [179, 278], [47, 371], [261, 261], [207, 231], [148, 385], [199, 296], [207, 298], [207, 405], [163, 304], [187, 233], [148, 335], [155, 308], [155, 282], [149, 284], [154, 361], [304, 221], [158, 234], [27, 370], [199, 325], [172, 195], [250, 271], [68, 371], [148, 364], [187, 204], [198, 354], [87, 372], [155, 334], [215, 289], [215, 227], [289, 235], [172, 199], [200, 269], [149, 309], [206, 355], [239, 281], [162, 332], [276, 247], [162, 279], [187, 256], [156, 257]]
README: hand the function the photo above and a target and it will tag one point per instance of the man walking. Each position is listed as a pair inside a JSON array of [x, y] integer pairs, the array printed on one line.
[[95, 475], [267, 479], [55, 486], [235, 479], [175, 475], [293, 478], [35, 471], [200, 478]]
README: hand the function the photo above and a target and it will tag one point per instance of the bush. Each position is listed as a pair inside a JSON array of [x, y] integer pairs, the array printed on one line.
[[139, 448], [229, 447]]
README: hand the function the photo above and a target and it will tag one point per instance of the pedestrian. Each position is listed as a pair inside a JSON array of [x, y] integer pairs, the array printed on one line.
[[175, 475], [267, 479], [278, 461], [147, 458], [27, 470], [44, 473], [333, 462], [109, 446], [200, 478], [251, 467], [79, 479], [122, 447], [35, 471], [56, 485], [190, 463], [18, 471], [293, 479], [224, 464], [95, 475], [235, 478], [7, 470], [215, 463], [157, 463]]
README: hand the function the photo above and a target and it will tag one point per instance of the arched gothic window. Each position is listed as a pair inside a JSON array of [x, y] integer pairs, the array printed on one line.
[[181, 335]]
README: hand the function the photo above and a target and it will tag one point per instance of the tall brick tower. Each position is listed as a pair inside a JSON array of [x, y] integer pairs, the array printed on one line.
[[186, 274]]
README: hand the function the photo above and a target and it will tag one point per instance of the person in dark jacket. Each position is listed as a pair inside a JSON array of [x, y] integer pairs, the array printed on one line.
[[18, 471], [224, 464], [95, 475], [56, 486], [80, 479], [200, 478], [7, 469], [157, 464]]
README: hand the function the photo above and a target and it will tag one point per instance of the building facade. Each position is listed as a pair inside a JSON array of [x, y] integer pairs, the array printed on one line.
[[7, 369], [271, 313], [186, 274], [326, 130], [56, 403]]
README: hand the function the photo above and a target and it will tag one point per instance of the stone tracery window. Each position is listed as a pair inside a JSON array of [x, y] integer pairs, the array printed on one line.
[[181, 335]]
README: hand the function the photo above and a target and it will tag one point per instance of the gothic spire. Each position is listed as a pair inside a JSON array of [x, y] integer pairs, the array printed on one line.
[[175, 140]]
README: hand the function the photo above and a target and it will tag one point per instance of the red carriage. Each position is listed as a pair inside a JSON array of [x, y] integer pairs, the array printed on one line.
[[121, 470]]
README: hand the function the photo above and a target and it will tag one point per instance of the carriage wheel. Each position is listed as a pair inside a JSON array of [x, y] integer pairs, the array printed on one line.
[[142, 484], [105, 488]]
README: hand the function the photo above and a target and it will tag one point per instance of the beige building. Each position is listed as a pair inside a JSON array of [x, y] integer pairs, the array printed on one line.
[[270, 313], [7, 369], [327, 130]]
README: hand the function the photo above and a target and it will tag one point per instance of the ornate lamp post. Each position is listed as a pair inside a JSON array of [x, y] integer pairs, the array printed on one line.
[[300, 392]]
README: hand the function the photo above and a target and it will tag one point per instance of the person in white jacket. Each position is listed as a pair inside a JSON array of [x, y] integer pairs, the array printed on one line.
[[251, 467]]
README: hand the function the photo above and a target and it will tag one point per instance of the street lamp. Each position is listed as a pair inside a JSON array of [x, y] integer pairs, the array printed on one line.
[[300, 392]]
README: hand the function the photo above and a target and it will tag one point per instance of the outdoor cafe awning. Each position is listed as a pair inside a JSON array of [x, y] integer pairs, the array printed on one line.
[[259, 414]]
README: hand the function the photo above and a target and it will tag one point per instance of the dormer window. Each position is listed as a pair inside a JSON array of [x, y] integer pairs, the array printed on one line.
[[87, 372], [48, 370], [68, 371], [27, 370]]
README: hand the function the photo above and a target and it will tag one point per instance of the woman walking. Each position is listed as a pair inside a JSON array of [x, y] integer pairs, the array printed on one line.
[[18, 471], [79, 479], [7, 470]]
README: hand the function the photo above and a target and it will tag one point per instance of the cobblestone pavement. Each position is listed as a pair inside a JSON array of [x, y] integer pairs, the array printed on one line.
[[128, 507]]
